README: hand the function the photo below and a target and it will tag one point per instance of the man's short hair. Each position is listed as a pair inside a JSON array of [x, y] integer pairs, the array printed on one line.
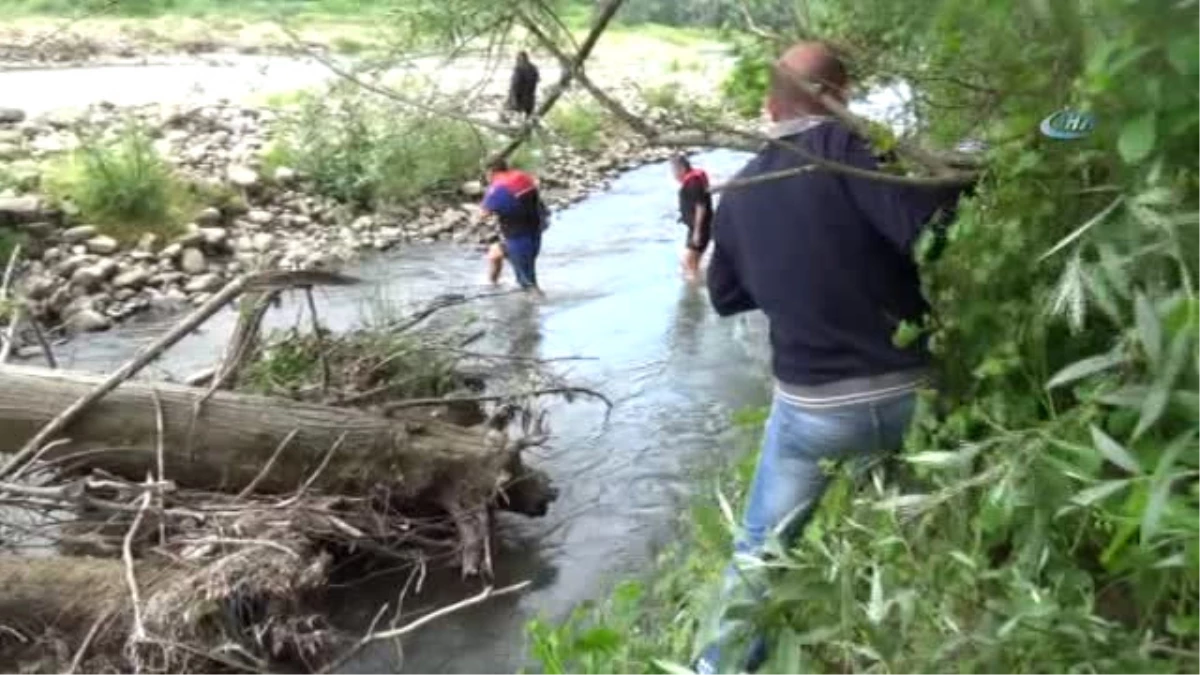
[[828, 74], [681, 161], [497, 165]]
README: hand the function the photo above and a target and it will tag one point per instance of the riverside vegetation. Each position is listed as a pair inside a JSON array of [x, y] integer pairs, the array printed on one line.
[[1046, 516], [122, 211]]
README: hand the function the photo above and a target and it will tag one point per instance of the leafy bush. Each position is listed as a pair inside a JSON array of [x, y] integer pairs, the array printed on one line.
[[123, 187], [1049, 520], [370, 155], [746, 84], [581, 123]]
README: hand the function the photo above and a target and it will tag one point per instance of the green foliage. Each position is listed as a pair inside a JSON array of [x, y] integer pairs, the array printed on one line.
[[581, 123], [1047, 521], [9, 240], [371, 155], [122, 186], [746, 84]]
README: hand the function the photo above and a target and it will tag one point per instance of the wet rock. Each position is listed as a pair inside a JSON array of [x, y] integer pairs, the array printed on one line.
[[193, 238], [102, 245], [242, 176], [262, 241], [472, 188], [170, 251], [39, 287], [20, 209], [87, 278], [11, 115], [192, 261], [214, 237], [167, 279], [88, 321], [39, 229], [205, 283], [134, 278], [78, 233], [260, 217], [208, 217], [147, 242], [285, 175]]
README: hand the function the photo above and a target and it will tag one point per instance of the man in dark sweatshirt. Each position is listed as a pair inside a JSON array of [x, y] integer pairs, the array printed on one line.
[[828, 258]]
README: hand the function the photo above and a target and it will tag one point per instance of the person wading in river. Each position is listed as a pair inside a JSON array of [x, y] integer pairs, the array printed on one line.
[[522, 87], [513, 198], [695, 211], [828, 258]]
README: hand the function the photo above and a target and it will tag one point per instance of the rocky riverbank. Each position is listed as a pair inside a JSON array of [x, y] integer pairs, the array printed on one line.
[[75, 278]]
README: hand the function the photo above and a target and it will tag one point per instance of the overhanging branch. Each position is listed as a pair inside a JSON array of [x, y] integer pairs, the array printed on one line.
[[568, 74]]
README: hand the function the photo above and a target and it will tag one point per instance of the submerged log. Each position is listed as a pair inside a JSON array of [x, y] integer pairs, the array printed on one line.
[[225, 442]]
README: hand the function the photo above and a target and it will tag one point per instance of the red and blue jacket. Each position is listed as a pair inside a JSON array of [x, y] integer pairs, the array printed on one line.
[[513, 196]]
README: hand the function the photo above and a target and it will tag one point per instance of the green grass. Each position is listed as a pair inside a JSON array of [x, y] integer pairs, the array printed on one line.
[[581, 123], [122, 186]]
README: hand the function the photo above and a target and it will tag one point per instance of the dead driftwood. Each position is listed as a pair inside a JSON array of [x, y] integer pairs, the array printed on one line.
[[337, 450], [221, 513]]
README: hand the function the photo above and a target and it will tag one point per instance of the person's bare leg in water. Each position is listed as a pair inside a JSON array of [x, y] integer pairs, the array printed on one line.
[[495, 258], [691, 263]]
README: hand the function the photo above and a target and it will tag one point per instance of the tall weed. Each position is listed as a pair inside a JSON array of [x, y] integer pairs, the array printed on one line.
[[123, 186], [368, 154]]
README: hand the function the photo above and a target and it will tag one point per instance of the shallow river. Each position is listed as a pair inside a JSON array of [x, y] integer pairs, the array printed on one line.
[[674, 370]]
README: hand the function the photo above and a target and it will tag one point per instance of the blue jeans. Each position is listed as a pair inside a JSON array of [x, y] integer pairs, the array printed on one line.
[[788, 485], [522, 252]]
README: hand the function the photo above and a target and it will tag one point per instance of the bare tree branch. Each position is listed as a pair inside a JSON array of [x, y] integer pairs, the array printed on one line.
[[730, 137], [568, 74], [394, 95]]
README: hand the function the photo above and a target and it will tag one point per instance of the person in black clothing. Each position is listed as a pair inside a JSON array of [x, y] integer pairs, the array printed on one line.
[[828, 257], [522, 88], [695, 211]]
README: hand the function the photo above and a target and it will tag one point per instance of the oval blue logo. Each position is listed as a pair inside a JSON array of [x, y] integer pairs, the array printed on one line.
[[1068, 125]]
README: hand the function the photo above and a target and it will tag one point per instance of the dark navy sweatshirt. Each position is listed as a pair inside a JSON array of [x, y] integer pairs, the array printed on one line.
[[826, 256]]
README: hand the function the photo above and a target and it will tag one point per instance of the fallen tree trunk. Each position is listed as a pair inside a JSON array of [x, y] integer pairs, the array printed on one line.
[[226, 443]]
